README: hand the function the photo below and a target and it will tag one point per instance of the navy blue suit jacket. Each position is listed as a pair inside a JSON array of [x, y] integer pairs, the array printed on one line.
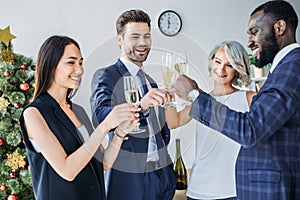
[[126, 180], [268, 166]]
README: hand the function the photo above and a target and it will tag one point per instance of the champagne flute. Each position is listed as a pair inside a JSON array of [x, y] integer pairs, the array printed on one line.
[[181, 66], [131, 96], [169, 75], [181, 63]]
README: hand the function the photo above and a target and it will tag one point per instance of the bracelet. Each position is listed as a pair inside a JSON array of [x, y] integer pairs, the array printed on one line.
[[119, 136]]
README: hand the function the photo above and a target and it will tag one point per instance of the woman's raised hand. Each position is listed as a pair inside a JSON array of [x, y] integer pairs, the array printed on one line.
[[125, 114]]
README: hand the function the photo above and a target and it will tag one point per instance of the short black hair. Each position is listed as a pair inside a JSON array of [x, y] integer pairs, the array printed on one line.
[[280, 9]]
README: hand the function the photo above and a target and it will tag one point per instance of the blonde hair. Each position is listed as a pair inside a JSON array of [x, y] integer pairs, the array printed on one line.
[[238, 58]]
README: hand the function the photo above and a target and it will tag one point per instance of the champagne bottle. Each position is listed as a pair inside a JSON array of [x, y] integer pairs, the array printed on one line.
[[179, 169]]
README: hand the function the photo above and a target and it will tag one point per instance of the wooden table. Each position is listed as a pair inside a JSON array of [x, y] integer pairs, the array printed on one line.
[[180, 195]]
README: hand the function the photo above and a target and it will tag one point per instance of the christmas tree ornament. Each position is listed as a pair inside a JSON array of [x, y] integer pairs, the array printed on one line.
[[24, 86], [17, 105], [2, 187], [1, 141], [7, 56], [12, 197], [24, 66], [12, 174], [6, 36], [3, 103], [15, 161], [1, 93], [33, 67], [6, 74]]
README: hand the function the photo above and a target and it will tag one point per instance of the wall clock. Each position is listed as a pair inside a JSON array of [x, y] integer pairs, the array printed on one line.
[[169, 23]]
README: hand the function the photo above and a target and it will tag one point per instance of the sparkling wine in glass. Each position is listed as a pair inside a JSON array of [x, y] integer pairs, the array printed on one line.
[[181, 63], [131, 96], [169, 74], [182, 67]]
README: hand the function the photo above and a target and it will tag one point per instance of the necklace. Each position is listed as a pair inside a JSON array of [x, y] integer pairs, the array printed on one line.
[[215, 94]]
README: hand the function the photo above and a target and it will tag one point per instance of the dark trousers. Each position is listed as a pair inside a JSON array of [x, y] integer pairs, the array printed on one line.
[[159, 184]]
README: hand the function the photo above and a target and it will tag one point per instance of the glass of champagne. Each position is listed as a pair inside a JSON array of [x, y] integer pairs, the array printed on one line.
[[181, 63], [182, 67], [131, 96], [169, 74]]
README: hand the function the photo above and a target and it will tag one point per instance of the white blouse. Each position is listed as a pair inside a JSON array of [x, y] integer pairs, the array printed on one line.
[[213, 171]]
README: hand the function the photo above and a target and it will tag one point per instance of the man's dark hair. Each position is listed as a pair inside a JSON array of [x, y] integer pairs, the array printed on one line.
[[131, 16], [280, 10]]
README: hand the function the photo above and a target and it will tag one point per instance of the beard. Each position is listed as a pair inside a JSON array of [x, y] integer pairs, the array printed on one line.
[[268, 52], [135, 56]]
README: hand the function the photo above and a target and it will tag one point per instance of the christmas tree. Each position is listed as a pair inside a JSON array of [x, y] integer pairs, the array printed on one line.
[[17, 77]]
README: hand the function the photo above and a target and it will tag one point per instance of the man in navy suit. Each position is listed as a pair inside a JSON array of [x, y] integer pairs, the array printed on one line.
[[268, 166], [143, 169]]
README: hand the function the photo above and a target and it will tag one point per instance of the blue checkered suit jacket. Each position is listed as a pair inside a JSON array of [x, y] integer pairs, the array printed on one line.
[[268, 166]]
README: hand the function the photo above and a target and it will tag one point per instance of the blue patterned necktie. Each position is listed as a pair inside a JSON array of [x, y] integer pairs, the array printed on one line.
[[156, 141], [141, 75]]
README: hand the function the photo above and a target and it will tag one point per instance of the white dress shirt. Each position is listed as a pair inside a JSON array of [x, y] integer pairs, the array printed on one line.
[[281, 54], [152, 145]]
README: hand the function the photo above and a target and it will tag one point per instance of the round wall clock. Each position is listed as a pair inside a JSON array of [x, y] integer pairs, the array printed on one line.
[[169, 23]]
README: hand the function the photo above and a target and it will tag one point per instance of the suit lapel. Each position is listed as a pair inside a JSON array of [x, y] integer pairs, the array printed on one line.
[[121, 68], [67, 123], [61, 115]]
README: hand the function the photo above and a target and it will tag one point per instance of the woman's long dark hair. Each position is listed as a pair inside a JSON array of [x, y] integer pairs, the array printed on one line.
[[49, 56]]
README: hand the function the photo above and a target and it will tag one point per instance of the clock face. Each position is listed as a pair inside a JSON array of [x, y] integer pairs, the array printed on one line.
[[169, 23]]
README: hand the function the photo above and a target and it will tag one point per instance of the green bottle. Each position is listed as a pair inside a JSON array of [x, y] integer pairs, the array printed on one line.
[[179, 169]]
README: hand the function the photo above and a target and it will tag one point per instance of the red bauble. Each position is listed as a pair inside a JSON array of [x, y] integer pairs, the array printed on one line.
[[7, 73], [12, 197], [1, 93], [24, 66], [13, 174], [1, 141], [24, 86], [17, 105], [2, 187]]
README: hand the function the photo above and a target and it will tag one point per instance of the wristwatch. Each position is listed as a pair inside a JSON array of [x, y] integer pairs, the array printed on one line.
[[193, 94]]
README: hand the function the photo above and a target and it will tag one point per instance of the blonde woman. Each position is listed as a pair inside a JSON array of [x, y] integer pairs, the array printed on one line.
[[213, 171]]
